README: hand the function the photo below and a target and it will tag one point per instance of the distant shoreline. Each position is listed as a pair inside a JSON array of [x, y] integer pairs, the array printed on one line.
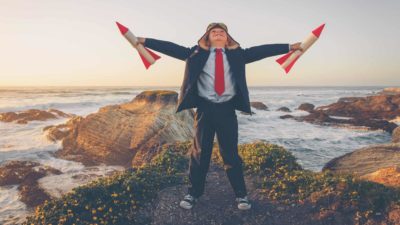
[[299, 86]]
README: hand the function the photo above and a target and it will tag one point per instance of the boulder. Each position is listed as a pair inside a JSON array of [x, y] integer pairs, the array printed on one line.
[[383, 107], [396, 135], [26, 175], [32, 115], [308, 107], [15, 171], [129, 134], [286, 116], [322, 118], [258, 105], [283, 109], [366, 160], [389, 176], [58, 132], [390, 91]]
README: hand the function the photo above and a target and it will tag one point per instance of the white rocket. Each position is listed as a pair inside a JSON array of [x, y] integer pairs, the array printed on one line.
[[148, 57], [287, 61]]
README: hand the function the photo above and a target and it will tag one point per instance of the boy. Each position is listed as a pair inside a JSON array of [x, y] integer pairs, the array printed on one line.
[[215, 83]]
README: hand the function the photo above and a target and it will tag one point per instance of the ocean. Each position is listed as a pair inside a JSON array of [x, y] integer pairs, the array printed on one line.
[[312, 145]]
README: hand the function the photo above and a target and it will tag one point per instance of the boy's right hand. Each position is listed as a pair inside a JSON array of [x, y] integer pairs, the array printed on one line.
[[140, 40]]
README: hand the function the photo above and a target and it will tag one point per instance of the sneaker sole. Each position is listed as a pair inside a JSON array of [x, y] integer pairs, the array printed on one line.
[[184, 206], [244, 207]]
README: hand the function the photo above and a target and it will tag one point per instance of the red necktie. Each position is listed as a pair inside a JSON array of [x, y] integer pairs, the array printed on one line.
[[219, 72]]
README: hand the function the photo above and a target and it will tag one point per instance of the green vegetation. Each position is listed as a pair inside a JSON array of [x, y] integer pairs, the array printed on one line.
[[284, 180], [118, 199]]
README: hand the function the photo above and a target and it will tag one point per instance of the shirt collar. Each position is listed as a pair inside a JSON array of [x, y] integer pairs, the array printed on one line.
[[212, 49]]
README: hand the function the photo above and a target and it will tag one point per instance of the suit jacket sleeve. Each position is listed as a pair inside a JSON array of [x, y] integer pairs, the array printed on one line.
[[168, 48], [256, 53]]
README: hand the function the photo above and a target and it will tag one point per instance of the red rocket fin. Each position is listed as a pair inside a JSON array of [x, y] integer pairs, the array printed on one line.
[[155, 56], [146, 63], [287, 69], [318, 30], [122, 28], [282, 59]]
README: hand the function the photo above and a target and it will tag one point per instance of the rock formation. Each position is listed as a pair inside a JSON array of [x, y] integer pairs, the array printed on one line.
[[25, 174], [128, 134], [259, 105], [376, 162], [370, 112], [31, 115], [306, 107]]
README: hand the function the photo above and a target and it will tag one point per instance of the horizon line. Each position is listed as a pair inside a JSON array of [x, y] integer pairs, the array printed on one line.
[[60, 86]]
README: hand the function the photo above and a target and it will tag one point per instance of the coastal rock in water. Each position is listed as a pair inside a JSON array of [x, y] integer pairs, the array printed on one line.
[[321, 118], [366, 160], [15, 171], [31, 115], [58, 132], [390, 91], [371, 113], [308, 107], [396, 135], [283, 109], [128, 134], [286, 116], [259, 105], [26, 175], [383, 107]]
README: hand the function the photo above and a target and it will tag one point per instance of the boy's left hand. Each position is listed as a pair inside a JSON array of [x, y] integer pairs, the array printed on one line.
[[296, 46]]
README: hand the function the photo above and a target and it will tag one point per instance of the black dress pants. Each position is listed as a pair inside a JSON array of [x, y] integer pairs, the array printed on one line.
[[219, 118]]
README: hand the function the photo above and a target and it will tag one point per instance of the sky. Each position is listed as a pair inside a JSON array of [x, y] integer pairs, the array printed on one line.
[[77, 43]]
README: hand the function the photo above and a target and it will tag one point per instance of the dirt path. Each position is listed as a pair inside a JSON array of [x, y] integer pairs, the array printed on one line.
[[217, 206]]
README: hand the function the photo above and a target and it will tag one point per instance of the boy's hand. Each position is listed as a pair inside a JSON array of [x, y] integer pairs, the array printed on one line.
[[140, 40], [296, 46]]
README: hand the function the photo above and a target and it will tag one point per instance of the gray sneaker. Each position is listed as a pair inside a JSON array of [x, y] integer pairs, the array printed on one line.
[[243, 203], [188, 201]]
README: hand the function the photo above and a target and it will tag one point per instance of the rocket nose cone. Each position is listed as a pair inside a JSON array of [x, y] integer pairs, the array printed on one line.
[[317, 31], [122, 28]]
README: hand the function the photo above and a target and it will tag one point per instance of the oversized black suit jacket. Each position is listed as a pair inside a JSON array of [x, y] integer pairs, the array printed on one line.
[[196, 58]]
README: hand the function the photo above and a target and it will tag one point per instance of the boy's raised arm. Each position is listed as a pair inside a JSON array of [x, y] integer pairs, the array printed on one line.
[[259, 52], [166, 47]]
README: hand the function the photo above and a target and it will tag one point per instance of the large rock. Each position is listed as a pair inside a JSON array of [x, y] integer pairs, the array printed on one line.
[[284, 109], [58, 132], [31, 115], [396, 135], [129, 134], [390, 91], [370, 112], [15, 172], [384, 107], [308, 107], [366, 160], [322, 118], [26, 175], [389, 176], [259, 105]]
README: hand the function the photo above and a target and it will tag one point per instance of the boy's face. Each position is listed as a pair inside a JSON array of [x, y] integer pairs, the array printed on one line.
[[217, 37]]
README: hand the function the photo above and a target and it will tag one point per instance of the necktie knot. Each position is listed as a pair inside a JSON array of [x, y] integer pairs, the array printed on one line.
[[218, 50]]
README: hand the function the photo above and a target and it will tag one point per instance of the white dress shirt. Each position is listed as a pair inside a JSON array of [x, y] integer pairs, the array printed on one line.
[[205, 83]]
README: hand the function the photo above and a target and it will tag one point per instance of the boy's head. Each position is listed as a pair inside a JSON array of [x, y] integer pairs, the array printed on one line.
[[217, 35]]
